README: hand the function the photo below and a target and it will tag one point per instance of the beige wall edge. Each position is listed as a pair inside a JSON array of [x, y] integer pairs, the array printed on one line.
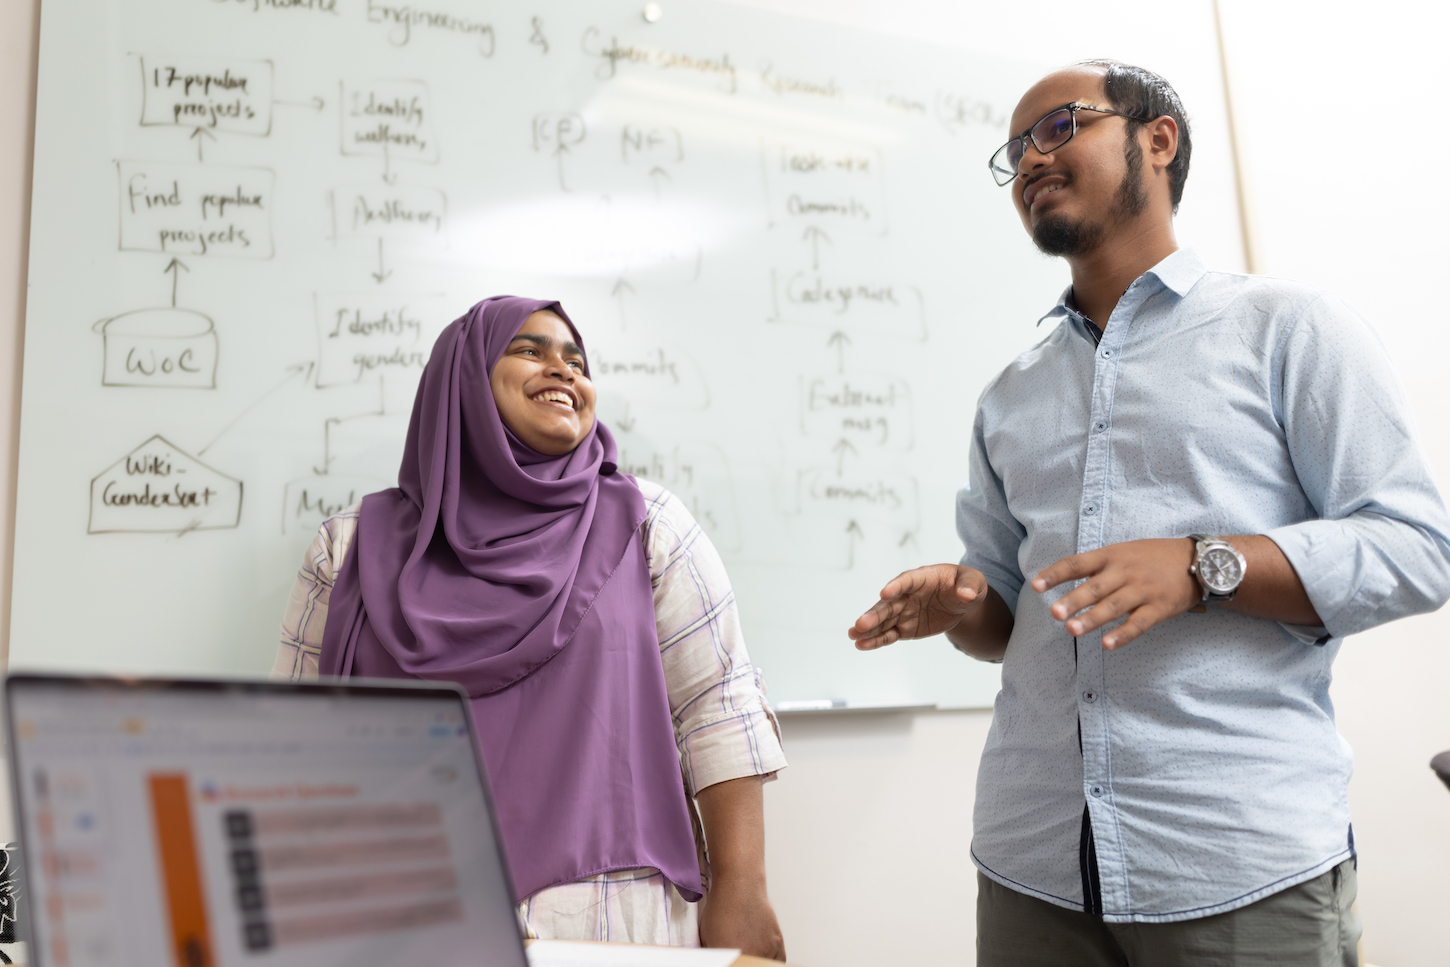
[[19, 60]]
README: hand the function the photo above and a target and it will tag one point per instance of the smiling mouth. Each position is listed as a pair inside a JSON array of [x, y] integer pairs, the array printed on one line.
[[1033, 194], [553, 396], [1045, 192]]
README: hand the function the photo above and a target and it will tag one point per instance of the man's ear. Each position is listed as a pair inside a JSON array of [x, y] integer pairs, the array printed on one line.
[[1162, 141]]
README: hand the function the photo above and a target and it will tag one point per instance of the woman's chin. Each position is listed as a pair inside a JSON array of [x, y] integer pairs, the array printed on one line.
[[554, 443]]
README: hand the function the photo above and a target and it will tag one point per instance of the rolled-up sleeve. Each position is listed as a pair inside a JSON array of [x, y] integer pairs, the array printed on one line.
[[991, 535], [723, 726], [1381, 548], [305, 619]]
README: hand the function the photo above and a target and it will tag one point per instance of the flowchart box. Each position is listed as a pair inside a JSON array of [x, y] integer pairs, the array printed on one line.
[[310, 500], [404, 214], [196, 209], [363, 335], [388, 119], [859, 494], [159, 347], [853, 301], [207, 92], [864, 410], [835, 185], [157, 488]]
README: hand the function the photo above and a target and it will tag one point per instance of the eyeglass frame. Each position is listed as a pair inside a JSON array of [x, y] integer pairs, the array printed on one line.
[[1072, 107]]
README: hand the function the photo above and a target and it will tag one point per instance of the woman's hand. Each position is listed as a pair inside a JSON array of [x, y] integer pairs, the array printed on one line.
[[737, 912]]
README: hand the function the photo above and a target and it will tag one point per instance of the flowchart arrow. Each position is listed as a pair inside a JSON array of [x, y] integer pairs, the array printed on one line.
[[172, 267], [316, 103], [815, 236], [201, 134], [335, 421], [842, 445], [625, 422], [839, 340], [382, 273], [620, 285], [389, 176], [292, 373], [658, 176], [853, 534]]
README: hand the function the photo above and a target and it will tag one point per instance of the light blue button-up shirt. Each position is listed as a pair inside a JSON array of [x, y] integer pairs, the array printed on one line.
[[1209, 761]]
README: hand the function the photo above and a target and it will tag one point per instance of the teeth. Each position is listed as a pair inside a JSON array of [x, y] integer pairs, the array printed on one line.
[[554, 396]]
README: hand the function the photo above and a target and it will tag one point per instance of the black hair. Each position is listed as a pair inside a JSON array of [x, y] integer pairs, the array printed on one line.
[[1144, 94]]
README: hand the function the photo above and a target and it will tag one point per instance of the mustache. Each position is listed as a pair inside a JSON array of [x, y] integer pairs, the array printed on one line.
[[1067, 175]]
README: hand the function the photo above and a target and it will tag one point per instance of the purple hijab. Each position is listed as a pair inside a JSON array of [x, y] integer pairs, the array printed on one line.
[[522, 577]]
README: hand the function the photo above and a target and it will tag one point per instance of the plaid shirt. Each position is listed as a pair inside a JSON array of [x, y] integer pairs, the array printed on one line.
[[724, 728]]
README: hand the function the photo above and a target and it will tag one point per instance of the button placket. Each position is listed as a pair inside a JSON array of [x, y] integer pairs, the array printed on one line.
[[1093, 708], [1105, 377]]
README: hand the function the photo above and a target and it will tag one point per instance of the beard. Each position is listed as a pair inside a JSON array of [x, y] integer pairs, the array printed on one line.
[[1056, 234]]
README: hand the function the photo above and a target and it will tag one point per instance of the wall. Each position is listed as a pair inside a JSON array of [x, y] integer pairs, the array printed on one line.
[[1347, 207], [869, 827]]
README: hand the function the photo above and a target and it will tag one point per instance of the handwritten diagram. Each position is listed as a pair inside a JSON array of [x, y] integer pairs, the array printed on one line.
[[770, 234]]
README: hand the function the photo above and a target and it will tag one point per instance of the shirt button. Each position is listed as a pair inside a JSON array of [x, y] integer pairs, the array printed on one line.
[[1098, 791], [1100, 426], [1090, 509], [1089, 697], [1107, 353]]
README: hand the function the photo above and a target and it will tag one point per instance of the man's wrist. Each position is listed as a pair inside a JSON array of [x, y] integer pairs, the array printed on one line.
[[976, 642]]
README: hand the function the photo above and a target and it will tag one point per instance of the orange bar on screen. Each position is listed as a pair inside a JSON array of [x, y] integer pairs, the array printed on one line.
[[181, 870]]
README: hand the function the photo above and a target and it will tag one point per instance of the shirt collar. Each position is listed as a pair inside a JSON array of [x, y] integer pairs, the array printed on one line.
[[1179, 272]]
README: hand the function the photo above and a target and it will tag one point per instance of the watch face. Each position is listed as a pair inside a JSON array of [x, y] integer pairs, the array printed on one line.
[[1220, 569]]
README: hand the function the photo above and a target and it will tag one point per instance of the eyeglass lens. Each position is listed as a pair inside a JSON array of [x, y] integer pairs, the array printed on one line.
[[1048, 134]]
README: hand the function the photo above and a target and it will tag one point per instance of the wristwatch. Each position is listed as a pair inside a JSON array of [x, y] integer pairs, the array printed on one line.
[[1218, 567]]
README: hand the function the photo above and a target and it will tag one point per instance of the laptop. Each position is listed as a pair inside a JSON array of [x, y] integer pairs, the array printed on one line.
[[218, 824]]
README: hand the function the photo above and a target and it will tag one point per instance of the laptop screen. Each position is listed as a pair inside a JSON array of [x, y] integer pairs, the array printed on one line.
[[196, 824]]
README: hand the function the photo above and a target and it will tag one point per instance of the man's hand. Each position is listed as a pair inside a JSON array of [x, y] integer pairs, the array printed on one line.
[[1146, 580], [736, 913], [935, 599], [919, 603]]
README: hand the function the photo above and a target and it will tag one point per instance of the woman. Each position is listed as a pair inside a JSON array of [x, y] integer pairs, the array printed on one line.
[[592, 624]]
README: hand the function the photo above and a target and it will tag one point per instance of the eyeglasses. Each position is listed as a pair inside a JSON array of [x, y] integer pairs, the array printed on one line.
[[1052, 131]]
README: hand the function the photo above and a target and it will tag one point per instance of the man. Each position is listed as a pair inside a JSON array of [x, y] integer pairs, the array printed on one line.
[[1208, 480]]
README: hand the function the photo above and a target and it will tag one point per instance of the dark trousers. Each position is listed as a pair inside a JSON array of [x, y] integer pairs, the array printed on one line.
[[1309, 925]]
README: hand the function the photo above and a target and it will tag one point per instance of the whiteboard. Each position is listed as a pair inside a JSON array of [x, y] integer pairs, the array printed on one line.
[[251, 218]]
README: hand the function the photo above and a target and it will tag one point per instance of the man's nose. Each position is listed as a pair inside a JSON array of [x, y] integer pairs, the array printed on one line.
[[1032, 158]]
